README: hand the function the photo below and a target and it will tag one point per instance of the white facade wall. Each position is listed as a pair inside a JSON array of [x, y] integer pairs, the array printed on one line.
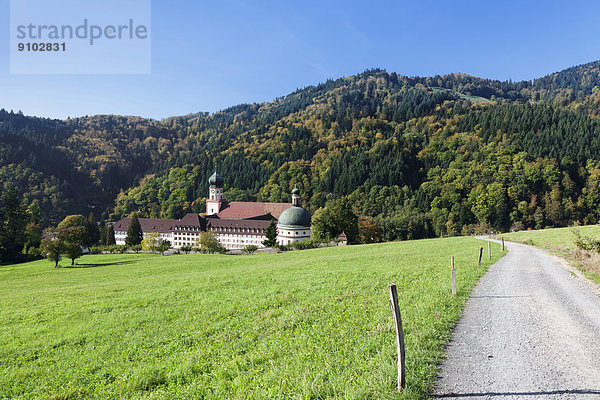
[[184, 239], [121, 235], [230, 238], [233, 238], [287, 235]]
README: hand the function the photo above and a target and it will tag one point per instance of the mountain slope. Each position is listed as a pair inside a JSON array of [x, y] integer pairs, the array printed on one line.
[[423, 156]]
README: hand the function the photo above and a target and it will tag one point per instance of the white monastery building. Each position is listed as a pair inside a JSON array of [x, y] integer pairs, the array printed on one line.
[[236, 224]]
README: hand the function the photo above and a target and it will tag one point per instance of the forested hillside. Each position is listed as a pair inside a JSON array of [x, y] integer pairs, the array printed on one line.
[[423, 156]]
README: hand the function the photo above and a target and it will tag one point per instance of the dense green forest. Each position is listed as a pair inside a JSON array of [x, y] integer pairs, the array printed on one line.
[[449, 155]]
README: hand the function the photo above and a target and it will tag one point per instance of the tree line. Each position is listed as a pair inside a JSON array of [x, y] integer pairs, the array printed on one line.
[[416, 157]]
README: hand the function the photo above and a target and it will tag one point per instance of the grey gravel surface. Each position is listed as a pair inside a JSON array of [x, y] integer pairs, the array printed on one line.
[[531, 330]]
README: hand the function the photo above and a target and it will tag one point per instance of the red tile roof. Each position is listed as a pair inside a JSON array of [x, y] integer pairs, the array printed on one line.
[[148, 225], [246, 209], [159, 225]]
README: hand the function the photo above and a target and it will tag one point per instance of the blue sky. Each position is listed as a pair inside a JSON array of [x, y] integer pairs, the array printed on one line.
[[207, 56]]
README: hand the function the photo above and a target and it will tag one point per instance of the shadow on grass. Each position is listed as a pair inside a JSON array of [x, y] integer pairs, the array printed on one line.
[[105, 264]]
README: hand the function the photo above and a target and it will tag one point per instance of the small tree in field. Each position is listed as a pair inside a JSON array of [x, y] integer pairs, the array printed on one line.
[[72, 251], [154, 243], [52, 249], [271, 235], [134, 232], [73, 234], [209, 243], [151, 242], [164, 246]]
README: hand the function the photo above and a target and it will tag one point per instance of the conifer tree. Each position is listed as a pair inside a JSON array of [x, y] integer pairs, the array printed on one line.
[[110, 236], [103, 234], [93, 232], [134, 232], [271, 235]]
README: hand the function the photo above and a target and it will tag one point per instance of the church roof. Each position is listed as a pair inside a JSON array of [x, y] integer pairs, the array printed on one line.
[[216, 180], [295, 217], [246, 209], [189, 219], [148, 225], [160, 225]]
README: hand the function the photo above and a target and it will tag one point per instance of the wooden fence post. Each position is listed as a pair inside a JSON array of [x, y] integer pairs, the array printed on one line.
[[480, 255], [489, 250], [399, 335], [453, 275], [502, 244]]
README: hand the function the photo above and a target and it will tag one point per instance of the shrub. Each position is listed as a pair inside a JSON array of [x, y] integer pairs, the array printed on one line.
[[33, 252], [307, 244], [186, 249], [96, 249], [251, 248], [586, 243]]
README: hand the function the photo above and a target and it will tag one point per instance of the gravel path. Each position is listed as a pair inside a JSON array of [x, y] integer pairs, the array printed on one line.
[[531, 330]]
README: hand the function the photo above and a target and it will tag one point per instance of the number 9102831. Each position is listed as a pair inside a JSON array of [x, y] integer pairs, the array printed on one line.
[[42, 46]]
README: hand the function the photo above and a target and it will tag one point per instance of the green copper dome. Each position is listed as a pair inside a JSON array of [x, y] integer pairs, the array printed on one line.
[[296, 191], [216, 180], [295, 217]]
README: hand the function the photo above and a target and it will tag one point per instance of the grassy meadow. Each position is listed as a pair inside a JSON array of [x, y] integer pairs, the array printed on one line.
[[307, 324], [561, 242]]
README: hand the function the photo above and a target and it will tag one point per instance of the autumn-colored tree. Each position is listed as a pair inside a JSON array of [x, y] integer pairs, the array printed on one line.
[[368, 231]]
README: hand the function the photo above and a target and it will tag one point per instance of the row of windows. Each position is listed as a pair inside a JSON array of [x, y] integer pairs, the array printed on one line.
[[238, 230], [183, 228], [240, 236], [293, 233], [254, 241], [188, 234]]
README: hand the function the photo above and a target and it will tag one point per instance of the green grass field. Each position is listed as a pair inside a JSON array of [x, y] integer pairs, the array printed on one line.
[[560, 242], [297, 325]]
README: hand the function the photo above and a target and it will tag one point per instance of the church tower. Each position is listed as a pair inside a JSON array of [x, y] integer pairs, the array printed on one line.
[[296, 197], [215, 194]]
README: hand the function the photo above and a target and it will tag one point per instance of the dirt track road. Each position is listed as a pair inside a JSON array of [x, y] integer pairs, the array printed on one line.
[[531, 330]]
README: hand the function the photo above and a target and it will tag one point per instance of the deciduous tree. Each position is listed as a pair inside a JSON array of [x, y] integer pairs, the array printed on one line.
[[52, 249]]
